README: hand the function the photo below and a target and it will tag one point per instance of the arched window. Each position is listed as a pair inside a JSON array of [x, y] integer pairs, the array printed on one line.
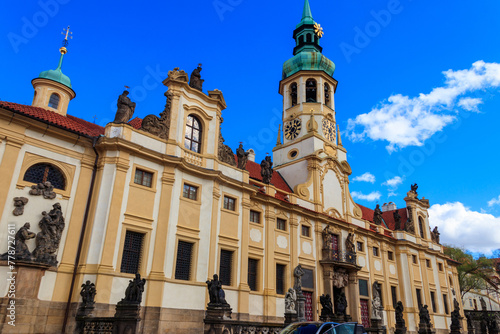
[[43, 172], [311, 90], [421, 225], [293, 93], [327, 94], [309, 38], [192, 140], [54, 101], [301, 39]]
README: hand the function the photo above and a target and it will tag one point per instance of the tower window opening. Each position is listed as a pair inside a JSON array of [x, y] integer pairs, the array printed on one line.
[[293, 94], [192, 139], [316, 39], [301, 40], [54, 101], [311, 90], [308, 38], [327, 95], [421, 225]]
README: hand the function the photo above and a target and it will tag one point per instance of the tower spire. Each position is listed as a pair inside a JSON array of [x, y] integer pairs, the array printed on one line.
[[306, 15]]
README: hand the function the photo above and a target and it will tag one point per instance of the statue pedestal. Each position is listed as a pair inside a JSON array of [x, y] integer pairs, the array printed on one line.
[[219, 312], [301, 306], [28, 275], [377, 327], [127, 317], [400, 328], [85, 311], [327, 317], [425, 329], [290, 317]]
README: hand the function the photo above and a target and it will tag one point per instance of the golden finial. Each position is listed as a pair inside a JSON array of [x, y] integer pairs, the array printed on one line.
[[318, 30], [67, 34]]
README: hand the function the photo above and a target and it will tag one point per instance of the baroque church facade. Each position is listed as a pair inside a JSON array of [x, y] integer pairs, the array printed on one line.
[[164, 197]]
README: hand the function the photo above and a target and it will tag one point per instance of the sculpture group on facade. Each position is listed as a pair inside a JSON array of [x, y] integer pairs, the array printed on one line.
[[19, 203], [215, 292], [45, 189], [125, 109], [377, 215], [377, 308], [435, 235], [397, 220], [242, 157], [225, 153], [196, 81], [290, 301], [47, 240], [326, 307], [266, 170], [88, 293], [409, 226], [159, 126], [400, 321], [133, 293], [341, 306]]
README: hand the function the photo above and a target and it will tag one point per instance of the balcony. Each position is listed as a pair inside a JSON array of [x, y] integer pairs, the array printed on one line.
[[339, 258]]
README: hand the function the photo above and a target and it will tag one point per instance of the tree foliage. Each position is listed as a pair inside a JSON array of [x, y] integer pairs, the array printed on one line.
[[473, 273]]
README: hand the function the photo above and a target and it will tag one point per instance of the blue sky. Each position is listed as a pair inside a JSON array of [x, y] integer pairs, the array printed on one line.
[[418, 96]]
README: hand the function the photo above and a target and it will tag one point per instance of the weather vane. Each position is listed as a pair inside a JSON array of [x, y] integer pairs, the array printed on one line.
[[199, 65], [67, 34], [127, 87]]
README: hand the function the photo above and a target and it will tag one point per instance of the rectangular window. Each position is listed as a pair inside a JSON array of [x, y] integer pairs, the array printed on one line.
[[363, 287], [252, 273], [190, 192], [360, 246], [394, 294], [440, 266], [143, 178], [428, 263], [132, 249], [281, 224], [445, 301], [255, 217], [306, 231], [433, 301], [375, 251], [183, 263], [280, 279], [225, 267], [419, 298], [229, 203], [390, 255], [308, 279], [414, 259]]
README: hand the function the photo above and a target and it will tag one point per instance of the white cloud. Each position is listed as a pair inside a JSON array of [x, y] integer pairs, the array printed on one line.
[[393, 183], [462, 227], [366, 177], [392, 194], [494, 201], [469, 103], [373, 196], [409, 121]]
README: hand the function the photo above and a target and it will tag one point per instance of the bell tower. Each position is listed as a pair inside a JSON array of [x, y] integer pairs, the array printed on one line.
[[310, 155]]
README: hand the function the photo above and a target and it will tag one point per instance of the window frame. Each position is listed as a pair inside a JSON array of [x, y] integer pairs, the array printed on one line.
[[254, 213], [376, 251], [305, 228], [144, 172], [190, 271], [414, 259], [190, 189], [281, 291], [255, 275], [390, 255], [228, 207], [58, 101], [140, 259], [192, 128], [281, 220], [360, 246], [230, 266], [47, 166]]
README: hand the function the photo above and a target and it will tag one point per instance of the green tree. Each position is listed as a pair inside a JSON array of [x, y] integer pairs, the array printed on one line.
[[473, 273]]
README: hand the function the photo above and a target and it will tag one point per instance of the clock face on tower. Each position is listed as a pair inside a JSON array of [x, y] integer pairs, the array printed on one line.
[[292, 129], [329, 129]]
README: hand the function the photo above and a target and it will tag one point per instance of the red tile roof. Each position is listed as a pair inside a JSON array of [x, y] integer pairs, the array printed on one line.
[[387, 216], [70, 123], [136, 123], [276, 180]]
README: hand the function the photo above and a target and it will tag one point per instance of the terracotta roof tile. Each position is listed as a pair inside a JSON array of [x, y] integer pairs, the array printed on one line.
[[68, 122], [136, 123], [387, 216], [276, 180]]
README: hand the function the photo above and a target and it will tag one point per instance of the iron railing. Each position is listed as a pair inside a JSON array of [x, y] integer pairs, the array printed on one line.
[[339, 256]]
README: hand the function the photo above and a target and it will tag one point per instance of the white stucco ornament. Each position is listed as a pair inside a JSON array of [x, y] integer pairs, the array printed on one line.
[[282, 242], [377, 265], [361, 261], [306, 247], [392, 269], [255, 235]]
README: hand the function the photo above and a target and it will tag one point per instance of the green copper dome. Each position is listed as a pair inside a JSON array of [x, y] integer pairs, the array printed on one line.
[[308, 61], [307, 51], [57, 75]]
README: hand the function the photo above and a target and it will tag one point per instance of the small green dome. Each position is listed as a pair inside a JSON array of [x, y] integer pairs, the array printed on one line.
[[308, 61], [57, 75]]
